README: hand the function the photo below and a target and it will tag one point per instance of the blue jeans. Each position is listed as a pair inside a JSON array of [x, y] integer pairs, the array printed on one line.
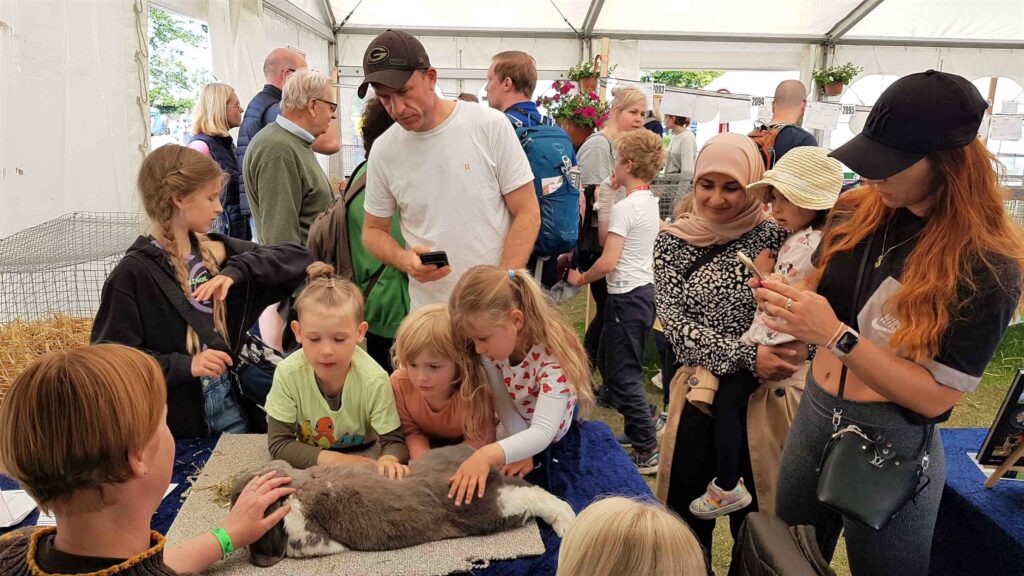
[[223, 414]]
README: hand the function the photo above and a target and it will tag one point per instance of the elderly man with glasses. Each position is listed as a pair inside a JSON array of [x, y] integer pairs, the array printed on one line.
[[287, 188], [265, 106]]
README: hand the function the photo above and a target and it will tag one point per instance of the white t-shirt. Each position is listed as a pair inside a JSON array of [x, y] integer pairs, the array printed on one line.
[[636, 219], [448, 186]]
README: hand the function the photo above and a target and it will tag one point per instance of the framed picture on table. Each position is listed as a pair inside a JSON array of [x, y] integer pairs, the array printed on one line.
[[1007, 431]]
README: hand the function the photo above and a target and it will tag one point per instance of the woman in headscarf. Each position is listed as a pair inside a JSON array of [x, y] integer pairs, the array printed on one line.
[[705, 305]]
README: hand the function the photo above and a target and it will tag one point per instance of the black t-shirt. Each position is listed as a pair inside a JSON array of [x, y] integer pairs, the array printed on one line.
[[791, 137], [974, 331]]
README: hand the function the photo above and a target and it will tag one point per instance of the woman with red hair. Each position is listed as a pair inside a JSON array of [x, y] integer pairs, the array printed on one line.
[[919, 274]]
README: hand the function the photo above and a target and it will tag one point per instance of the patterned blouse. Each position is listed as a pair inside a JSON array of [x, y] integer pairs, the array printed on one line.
[[705, 317]]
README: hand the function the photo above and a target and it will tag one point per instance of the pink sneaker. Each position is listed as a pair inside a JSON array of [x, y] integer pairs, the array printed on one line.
[[716, 502]]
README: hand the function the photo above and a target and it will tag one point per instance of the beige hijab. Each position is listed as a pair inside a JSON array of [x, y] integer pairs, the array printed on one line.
[[736, 156]]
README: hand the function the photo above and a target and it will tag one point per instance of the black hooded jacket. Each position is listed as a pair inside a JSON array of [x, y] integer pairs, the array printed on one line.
[[135, 312]]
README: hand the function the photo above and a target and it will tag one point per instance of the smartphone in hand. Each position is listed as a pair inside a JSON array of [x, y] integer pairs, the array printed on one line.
[[438, 258], [746, 261]]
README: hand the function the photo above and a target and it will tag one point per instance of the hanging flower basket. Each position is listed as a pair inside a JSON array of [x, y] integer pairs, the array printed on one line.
[[834, 88], [578, 134], [578, 112], [588, 84]]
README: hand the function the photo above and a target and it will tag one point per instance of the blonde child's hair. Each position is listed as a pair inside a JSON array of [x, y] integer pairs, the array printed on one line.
[[486, 294], [72, 418], [174, 172], [427, 329], [211, 113], [643, 148], [327, 291], [618, 535]]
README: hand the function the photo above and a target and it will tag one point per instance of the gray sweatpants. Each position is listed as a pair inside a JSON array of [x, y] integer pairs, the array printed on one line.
[[904, 546]]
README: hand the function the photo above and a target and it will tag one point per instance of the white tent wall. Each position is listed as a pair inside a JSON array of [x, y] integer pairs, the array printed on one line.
[[971, 63], [73, 125]]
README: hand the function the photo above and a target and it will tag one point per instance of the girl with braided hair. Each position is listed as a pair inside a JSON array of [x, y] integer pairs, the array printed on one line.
[[229, 281]]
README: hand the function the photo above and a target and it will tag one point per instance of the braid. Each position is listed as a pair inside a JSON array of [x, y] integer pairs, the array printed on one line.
[[220, 322], [177, 262]]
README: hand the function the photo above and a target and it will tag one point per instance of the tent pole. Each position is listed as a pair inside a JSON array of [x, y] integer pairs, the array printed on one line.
[[993, 82]]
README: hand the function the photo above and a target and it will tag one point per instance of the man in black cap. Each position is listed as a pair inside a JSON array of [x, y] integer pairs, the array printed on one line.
[[454, 171]]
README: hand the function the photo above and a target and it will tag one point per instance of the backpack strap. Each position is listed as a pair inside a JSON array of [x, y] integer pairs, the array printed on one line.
[[541, 120], [199, 322], [702, 260]]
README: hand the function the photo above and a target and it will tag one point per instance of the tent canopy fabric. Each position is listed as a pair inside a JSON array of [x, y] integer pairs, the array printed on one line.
[[74, 73], [837, 21]]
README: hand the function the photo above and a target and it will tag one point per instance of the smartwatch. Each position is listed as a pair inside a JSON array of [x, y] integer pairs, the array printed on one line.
[[846, 342]]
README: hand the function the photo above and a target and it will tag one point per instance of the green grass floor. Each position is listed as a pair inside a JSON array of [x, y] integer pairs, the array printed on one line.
[[975, 410]]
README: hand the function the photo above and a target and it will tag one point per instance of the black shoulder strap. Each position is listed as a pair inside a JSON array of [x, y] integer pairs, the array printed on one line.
[[856, 302], [199, 322], [704, 259]]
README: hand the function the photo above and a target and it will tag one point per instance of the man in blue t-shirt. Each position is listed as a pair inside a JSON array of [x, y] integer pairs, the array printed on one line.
[[511, 81], [788, 107]]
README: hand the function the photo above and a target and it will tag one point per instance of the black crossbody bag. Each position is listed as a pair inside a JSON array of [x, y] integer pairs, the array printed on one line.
[[255, 363], [860, 475]]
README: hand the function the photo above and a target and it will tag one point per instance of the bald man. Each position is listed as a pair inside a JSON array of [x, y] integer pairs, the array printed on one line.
[[788, 112], [265, 107]]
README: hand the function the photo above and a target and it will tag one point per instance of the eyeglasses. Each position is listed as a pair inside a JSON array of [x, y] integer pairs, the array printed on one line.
[[334, 107]]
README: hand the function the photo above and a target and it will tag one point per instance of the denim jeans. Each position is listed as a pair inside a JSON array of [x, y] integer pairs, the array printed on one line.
[[223, 414]]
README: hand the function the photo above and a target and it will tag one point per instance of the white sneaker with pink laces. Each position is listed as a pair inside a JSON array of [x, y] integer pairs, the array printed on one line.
[[716, 502]]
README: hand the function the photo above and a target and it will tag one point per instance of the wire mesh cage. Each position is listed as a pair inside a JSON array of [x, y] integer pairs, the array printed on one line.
[[51, 277], [58, 267], [669, 188]]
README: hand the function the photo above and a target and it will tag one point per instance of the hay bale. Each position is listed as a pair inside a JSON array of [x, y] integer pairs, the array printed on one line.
[[22, 342]]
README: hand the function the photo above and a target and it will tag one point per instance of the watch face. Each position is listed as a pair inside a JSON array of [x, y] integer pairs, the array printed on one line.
[[846, 342]]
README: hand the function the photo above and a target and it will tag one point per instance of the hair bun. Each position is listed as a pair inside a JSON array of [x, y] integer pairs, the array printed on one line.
[[319, 270]]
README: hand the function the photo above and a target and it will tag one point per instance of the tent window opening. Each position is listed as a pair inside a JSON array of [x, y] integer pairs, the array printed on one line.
[[180, 63]]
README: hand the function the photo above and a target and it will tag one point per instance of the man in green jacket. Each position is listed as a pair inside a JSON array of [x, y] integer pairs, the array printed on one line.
[[287, 188]]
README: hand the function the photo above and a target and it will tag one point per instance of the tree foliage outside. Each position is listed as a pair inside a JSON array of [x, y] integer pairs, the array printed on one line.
[[681, 78], [172, 84]]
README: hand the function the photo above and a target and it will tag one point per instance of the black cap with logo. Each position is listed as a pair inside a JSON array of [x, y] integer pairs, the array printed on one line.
[[916, 115], [390, 59]]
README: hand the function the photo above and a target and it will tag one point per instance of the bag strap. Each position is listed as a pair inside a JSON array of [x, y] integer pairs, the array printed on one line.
[[856, 303], [199, 322], [930, 429], [704, 259]]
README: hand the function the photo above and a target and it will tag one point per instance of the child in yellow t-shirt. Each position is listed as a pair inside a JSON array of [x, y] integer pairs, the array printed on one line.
[[332, 397]]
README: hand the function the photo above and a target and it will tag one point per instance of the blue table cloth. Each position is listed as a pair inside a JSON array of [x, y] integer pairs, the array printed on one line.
[[979, 530], [586, 464]]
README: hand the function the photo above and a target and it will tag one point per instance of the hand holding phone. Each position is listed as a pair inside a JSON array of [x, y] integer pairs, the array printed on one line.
[[438, 259], [746, 261]]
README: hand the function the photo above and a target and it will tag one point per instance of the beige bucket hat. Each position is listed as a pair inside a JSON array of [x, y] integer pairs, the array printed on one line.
[[806, 176]]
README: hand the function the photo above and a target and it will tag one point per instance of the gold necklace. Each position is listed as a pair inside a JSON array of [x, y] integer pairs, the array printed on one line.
[[885, 237]]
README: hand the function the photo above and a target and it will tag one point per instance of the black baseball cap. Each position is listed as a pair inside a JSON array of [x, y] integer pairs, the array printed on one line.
[[390, 59], [916, 115]]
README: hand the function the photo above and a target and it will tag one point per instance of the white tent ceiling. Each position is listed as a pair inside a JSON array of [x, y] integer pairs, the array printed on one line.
[[73, 73], [903, 22]]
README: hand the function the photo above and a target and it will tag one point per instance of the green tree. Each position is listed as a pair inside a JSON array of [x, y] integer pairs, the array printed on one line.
[[680, 78], [172, 85]]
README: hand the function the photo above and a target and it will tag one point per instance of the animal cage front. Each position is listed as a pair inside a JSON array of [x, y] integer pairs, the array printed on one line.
[[59, 267], [51, 277]]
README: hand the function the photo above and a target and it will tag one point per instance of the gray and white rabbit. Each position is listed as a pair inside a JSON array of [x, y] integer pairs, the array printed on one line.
[[339, 508]]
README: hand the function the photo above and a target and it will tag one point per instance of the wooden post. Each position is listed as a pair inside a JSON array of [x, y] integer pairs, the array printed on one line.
[[604, 68], [992, 83]]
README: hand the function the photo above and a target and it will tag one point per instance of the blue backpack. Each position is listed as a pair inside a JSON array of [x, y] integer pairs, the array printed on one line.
[[555, 180]]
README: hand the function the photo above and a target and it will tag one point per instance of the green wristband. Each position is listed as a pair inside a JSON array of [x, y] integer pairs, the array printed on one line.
[[226, 547]]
